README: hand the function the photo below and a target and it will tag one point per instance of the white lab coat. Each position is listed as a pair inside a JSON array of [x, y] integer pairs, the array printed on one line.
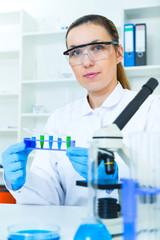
[[52, 179]]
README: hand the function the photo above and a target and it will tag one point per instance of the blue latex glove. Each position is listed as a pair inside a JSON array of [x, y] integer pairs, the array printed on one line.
[[14, 161], [79, 159]]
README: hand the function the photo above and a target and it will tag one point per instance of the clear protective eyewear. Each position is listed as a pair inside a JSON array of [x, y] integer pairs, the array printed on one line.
[[96, 51]]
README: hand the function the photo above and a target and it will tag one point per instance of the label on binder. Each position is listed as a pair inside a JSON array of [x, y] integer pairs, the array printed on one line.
[[140, 38], [129, 41]]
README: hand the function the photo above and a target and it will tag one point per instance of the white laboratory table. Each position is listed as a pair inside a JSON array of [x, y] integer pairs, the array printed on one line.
[[67, 217]]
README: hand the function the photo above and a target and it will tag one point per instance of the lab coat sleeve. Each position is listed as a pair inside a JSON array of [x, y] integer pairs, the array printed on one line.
[[36, 191]]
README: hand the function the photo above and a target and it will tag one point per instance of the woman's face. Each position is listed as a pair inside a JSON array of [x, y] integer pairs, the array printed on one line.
[[96, 76]]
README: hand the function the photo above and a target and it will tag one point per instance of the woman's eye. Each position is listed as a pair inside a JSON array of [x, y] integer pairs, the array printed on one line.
[[98, 47], [76, 52]]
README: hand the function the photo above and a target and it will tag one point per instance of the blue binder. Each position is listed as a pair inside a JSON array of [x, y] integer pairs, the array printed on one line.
[[129, 45]]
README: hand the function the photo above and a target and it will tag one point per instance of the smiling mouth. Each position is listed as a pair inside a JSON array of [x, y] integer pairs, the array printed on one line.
[[91, 75]]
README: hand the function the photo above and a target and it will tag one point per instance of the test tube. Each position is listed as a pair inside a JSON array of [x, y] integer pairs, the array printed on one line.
[[50, 142], [41, 141], [33, 142], [72, 143], [59, 143], [27, 142], [68, 139]]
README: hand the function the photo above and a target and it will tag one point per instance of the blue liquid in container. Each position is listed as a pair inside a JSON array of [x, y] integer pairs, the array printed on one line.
[[93, 232], [50, 141], [33, 143], [59, 143], [34, 235]]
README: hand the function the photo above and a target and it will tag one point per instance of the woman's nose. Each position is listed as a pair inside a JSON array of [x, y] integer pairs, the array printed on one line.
[[87, 60]]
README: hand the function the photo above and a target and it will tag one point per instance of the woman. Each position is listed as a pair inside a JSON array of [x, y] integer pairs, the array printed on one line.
[[95, 56]]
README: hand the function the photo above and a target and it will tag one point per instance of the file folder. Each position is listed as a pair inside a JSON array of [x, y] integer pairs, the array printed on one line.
[[140, 44], [129, 45]]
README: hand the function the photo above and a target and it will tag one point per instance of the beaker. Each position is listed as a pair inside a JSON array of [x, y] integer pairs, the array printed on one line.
[[33, 231], [145, 170]]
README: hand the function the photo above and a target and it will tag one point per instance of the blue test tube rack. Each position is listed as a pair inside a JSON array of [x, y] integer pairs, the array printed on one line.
[[53, 145]]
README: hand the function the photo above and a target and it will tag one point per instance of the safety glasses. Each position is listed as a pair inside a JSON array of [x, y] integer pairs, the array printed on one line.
[[96, 51]]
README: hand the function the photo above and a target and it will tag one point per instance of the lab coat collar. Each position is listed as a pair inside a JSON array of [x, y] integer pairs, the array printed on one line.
[[110, 101]]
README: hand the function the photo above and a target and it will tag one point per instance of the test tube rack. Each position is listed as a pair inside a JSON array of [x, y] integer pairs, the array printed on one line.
[[149, 197], [48, 144]]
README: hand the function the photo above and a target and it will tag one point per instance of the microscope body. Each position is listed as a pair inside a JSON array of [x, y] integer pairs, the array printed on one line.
[[109, 139]]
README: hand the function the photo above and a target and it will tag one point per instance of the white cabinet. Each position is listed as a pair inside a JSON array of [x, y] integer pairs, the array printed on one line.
[[151, 16], [10, 39]]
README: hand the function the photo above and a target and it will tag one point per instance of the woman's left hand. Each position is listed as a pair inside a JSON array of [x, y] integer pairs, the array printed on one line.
[[79, 159]]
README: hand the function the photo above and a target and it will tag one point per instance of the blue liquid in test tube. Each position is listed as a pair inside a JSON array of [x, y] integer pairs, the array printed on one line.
[[33, 143], [27, 142], [59, 143], [50, 142], [72, 144]]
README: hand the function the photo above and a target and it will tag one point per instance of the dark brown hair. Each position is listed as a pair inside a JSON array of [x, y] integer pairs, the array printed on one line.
[[112, 30]]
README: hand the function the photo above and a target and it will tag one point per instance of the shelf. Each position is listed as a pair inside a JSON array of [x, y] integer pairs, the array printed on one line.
[[8, 130], [144, 12], [41, 34], [151, 17], [44, 37], [35, 115], [7, 94], [44, 81], [144, 71], [9, 53]]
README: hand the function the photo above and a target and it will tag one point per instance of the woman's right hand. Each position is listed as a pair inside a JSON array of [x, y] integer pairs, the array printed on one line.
[[14, 161]]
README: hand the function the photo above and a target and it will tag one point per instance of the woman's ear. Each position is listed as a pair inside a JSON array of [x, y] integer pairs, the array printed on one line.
[[119, 54]]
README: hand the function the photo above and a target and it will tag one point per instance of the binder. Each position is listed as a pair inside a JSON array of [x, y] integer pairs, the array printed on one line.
[[129, 45], [140, 44]]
